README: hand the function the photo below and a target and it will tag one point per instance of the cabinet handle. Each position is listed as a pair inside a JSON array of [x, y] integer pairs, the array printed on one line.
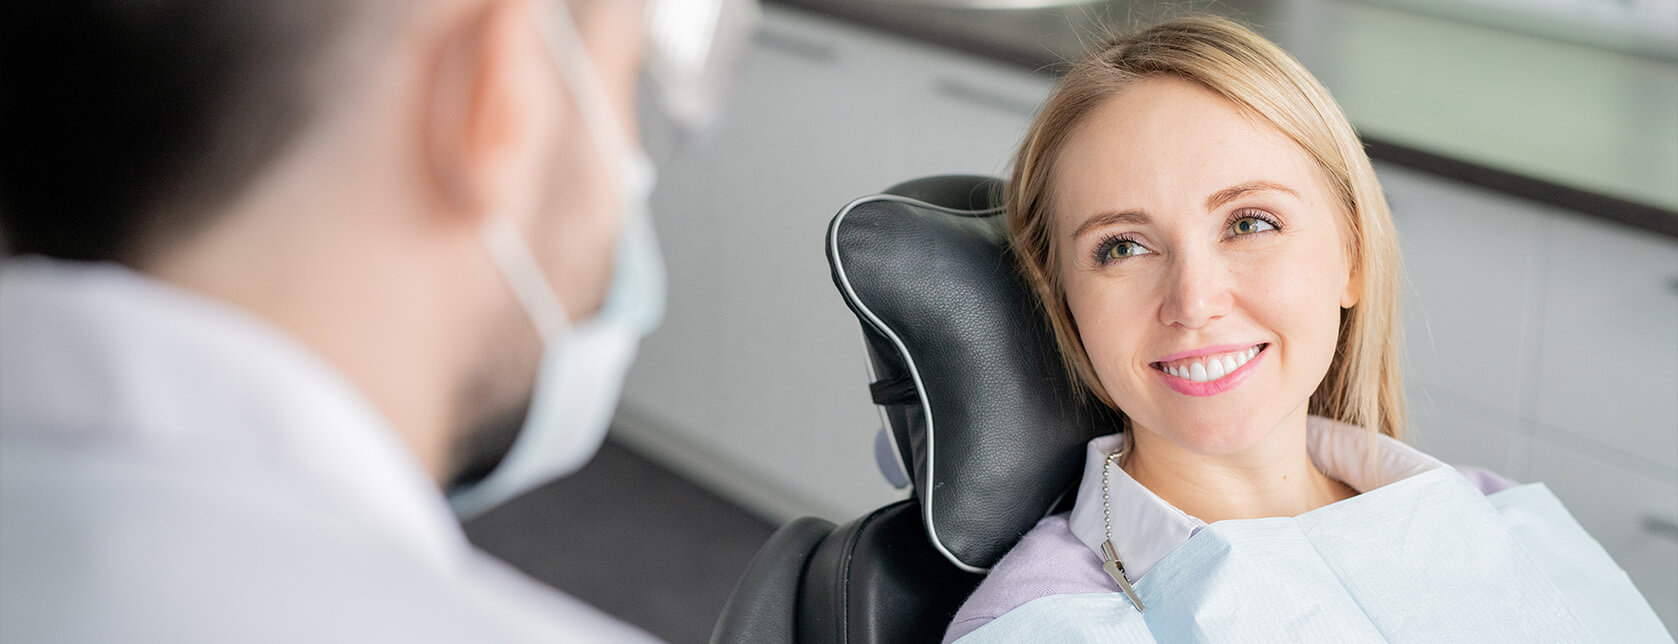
[[798, 47], [1660, 527], [986, 98]]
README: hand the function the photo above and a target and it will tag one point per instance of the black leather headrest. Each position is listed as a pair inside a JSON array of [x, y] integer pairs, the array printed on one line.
[[978, 402]]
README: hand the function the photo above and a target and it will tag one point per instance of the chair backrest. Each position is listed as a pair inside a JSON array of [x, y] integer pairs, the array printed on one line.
[[980, 406], [873, 580], [878, 580]]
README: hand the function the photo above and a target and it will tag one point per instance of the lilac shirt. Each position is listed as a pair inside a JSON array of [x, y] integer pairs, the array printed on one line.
[[1059, 555]]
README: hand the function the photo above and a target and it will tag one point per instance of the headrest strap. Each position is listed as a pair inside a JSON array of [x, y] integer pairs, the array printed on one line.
[[894, 391]]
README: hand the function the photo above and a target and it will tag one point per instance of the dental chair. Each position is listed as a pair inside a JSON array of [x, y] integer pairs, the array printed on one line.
[[979, 413]]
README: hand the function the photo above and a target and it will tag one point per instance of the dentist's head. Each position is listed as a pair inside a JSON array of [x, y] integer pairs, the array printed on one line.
[[444, 199]]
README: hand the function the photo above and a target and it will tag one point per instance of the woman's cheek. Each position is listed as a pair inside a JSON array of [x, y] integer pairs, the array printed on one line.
[[1120, 317], [1298, 297], [1108, 320]]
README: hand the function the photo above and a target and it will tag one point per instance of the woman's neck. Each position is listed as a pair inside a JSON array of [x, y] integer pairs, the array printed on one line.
[[1273, 478]]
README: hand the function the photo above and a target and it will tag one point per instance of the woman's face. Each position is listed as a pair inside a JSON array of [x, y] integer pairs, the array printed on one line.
[[1203, 261]]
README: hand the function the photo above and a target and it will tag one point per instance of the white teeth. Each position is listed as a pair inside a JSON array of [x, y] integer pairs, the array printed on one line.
[[1209, 369]]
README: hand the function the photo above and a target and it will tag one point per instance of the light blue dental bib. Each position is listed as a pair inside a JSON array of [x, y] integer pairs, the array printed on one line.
[[1426, 559]]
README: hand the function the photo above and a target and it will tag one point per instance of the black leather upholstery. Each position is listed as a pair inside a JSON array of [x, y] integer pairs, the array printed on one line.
[[764, 605], [972, 195], [979, 403], [979, 407], [877, 579]]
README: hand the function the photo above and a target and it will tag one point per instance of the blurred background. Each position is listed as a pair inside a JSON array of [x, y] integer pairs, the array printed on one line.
[[1529, 149]]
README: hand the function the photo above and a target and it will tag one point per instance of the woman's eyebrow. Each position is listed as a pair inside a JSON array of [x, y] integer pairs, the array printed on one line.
[[1102, 220], [1139, 218], [1226, 195]]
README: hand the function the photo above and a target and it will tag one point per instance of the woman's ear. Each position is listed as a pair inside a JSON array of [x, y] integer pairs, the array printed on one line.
[[1354, 287], [481, 126]]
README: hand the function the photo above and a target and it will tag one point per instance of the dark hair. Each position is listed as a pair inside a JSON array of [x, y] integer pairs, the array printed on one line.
[[125, 124]]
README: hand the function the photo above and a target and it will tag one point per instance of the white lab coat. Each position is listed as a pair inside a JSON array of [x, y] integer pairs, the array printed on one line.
[[175, 470]]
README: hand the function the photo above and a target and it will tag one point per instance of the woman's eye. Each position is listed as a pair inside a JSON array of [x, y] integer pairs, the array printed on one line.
[[1122, 248], [1250, 225]]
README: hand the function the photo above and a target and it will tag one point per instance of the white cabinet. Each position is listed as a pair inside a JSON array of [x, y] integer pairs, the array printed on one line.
[[1544, 346], [1635, 518], [1608, 358], [1474, 266], [756, 383], [1443, 426]]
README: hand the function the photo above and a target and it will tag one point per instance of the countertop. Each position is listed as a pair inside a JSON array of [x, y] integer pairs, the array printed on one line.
[[1573, 122]]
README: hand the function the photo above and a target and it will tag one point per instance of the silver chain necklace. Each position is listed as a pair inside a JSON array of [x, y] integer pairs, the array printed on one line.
[[1113, 566]]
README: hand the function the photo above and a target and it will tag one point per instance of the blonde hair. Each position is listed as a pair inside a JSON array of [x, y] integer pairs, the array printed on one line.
[[1364, 385]]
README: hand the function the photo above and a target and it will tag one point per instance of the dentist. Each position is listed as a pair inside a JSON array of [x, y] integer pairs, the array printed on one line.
[[294, 287]]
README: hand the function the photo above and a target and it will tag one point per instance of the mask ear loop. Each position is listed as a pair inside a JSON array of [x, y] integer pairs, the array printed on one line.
[[587, 91], [524, 274]]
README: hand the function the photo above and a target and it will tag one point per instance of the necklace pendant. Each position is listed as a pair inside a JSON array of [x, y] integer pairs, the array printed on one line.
[[1115, 569]]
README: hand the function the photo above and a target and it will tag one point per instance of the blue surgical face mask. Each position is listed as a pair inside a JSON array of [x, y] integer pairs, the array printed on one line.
[[583, 362]]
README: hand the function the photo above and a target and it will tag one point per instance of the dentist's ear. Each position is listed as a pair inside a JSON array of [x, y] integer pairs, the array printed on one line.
[[487, 122]]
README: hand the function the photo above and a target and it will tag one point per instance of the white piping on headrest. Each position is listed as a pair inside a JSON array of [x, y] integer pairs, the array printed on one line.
[[885, 423], [914, 372]]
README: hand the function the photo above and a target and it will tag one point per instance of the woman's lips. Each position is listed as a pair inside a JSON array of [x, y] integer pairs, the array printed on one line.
[[1211, 374], [1207, 367]]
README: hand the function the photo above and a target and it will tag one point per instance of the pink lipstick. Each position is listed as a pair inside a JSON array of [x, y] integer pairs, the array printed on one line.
[[1211, 370]]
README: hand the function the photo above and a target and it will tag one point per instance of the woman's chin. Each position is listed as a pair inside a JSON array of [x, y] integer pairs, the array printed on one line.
[[1213, 435]]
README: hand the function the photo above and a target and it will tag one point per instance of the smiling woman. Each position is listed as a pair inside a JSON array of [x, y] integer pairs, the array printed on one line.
[[1247, 105], [1236, 250], [1214, 253]]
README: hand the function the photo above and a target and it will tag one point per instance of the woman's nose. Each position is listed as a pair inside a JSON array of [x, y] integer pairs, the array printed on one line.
[[1197, 292]]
